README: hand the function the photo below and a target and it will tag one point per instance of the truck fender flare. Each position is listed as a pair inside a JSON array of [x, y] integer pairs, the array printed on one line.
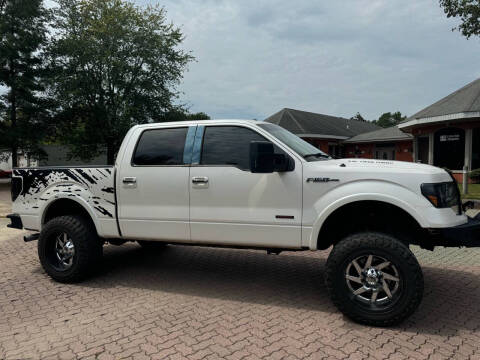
[[79, 200], [328, 210]]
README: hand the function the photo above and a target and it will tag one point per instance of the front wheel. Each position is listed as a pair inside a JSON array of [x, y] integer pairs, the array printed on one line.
[[374, 279]]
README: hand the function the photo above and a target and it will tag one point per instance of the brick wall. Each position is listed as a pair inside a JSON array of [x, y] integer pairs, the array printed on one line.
[[321, 144], [404, 151], [366, 151]]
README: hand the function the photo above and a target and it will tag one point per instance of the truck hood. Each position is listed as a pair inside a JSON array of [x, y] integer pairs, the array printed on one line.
[[406, 174], [389, 166]]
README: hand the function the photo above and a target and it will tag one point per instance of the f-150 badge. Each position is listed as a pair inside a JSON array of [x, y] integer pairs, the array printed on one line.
[[318, 179]]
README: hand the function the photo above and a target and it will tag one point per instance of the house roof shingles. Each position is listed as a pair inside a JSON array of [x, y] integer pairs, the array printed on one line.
[[466, 99], [392, 133], [307, 123]]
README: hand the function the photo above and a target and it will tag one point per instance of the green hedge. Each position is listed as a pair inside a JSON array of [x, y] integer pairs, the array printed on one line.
[[474, 175]]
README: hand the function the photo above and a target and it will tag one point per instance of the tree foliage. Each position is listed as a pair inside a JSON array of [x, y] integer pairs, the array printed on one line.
[[469, 13], [180, 114], [389, 119], [113, 65], [23, 111]]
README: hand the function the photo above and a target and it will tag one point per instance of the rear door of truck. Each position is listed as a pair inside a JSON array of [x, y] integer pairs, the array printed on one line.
[[153, 186]]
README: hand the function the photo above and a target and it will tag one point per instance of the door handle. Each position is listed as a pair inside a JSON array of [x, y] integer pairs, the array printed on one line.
[[129, 180], [199, 180]]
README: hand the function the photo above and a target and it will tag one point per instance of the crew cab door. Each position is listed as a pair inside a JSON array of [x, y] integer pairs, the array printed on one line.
[[153, 185], [231, 205]]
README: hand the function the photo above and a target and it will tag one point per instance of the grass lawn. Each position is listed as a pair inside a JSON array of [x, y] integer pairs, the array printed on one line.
[[473, 191]]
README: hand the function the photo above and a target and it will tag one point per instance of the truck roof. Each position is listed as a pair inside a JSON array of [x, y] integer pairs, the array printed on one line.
[[198, 122]]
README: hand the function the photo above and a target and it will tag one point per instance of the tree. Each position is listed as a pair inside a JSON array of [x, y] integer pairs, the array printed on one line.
[[180, 114], [388, 119], [358, 117], [23, 111], [469, 13], [198, 116], [114, 65]]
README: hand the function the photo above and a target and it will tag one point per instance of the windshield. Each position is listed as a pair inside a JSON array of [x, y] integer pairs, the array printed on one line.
[[300, 146]]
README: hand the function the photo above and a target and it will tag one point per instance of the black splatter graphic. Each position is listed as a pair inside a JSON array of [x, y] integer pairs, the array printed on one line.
[[86, 176], [103, 211], [63, 182]]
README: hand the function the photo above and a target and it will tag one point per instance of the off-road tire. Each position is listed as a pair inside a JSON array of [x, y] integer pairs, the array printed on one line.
[[390, 248], [88, 248], [152, 245]]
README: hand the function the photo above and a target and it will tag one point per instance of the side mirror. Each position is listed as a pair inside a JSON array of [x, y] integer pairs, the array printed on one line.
[[264, 160], [261, 157]]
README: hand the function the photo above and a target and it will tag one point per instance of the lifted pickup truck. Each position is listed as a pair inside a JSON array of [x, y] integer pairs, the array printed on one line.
[[248, 184]]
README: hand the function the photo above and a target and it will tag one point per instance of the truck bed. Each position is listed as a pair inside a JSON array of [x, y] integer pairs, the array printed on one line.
[[34, 188]]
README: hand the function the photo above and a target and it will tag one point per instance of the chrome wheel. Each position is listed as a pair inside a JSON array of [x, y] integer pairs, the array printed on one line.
[[373, 280], [64, 250]]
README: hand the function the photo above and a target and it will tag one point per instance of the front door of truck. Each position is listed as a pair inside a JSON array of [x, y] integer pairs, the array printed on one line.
[[153, 185], [231, 205]]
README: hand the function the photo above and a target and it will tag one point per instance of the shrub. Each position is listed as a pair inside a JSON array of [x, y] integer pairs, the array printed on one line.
[[474, 175]]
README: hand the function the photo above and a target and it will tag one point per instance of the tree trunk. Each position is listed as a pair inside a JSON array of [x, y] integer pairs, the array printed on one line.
[[13, 128], [14, 156], [13, 113], [110, 154]]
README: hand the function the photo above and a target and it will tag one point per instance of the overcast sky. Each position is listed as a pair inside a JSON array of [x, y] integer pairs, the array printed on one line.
[[255, 57], [331, 57]]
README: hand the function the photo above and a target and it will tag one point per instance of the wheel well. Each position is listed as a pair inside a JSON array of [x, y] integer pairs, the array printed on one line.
[[62, 207], [367, 216]]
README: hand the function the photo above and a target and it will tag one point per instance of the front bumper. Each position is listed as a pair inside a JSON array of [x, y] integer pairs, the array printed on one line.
[[15, 221], [467, 234]]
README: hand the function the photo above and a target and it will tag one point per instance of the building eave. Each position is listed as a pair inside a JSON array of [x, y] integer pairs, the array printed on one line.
[[320, 136], [379, 140], [435, 119]]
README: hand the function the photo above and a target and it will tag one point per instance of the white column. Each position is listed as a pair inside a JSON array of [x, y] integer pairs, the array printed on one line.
[[414, 149], [468, 149], [430, 148]]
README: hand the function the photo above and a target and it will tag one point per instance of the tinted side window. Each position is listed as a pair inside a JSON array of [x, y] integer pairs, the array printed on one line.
[[228, 145], [161, 147]]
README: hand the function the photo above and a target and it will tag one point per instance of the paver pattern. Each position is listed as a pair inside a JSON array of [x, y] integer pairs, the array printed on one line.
[[205, 303], [5, 198]]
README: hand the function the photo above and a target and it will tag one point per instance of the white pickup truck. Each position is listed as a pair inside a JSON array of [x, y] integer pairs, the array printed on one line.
[[249, 184]]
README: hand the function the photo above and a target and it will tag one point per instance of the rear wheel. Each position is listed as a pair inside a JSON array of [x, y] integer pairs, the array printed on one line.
[[69, 248], [374, 279]]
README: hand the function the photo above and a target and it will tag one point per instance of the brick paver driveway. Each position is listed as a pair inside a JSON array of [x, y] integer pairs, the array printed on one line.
[[201, 303]]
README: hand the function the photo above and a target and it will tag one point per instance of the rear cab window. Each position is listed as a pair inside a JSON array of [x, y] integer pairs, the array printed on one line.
[[160, 147]]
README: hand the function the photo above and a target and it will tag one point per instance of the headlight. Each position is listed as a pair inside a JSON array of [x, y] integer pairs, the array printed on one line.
[[441, 195]]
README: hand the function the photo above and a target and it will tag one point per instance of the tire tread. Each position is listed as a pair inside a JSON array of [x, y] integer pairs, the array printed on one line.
[[88, 248], [378, 240]]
